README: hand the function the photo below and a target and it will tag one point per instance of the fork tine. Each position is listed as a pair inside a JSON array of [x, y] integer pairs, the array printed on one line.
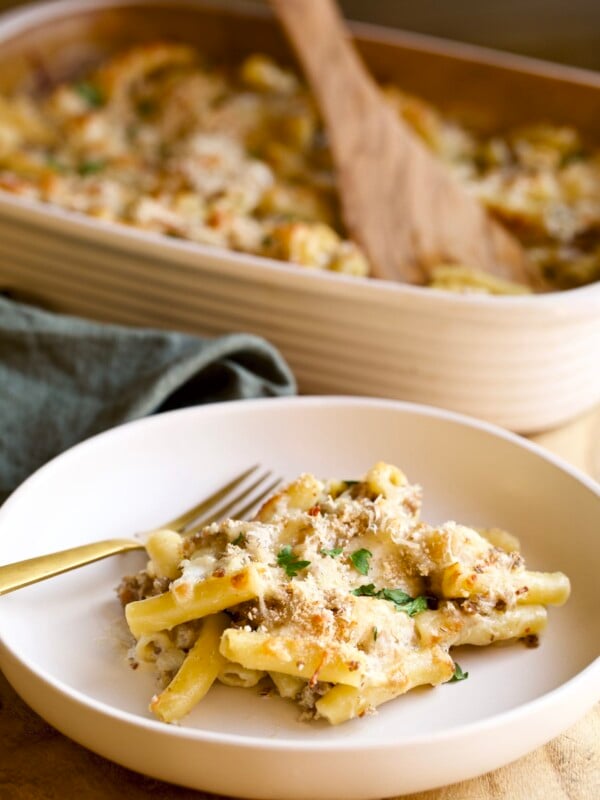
[[221, 512], [181, 522], [241, 512], [23, 573]]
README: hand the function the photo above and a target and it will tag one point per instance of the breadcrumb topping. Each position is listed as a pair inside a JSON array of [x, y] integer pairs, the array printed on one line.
[[351, 578], [236, 156]]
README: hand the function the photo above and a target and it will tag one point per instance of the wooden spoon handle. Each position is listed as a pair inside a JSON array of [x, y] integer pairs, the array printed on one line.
[[346, 93], [399, 202], [318, 34]]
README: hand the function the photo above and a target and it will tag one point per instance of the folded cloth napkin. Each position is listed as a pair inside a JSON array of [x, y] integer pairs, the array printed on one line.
[[63, 379]]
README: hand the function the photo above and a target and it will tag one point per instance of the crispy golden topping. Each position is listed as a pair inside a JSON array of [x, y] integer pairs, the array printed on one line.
[[237, 157], [336, 594]]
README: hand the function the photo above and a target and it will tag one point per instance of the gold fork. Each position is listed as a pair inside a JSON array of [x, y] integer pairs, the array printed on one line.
[[22, 573]]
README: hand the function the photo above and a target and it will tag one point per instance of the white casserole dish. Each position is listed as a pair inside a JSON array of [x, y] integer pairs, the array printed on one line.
[[527, 363]]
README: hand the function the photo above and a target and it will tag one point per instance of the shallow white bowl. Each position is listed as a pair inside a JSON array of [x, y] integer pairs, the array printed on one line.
[[63, 641], [527, 363]]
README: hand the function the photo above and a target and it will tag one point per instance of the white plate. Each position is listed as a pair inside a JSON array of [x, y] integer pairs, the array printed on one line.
[[62, 645]]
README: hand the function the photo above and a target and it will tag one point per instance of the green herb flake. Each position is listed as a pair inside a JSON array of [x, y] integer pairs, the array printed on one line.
[[366, 590], [375, 633], [403, 601], [239, 540], [90, 93], [360, 560], [459, 675], [397, 596], [287, 560], [90, 167], [333, 553]]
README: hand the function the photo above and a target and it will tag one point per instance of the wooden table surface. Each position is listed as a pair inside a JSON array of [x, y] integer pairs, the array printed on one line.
[[38, 763]]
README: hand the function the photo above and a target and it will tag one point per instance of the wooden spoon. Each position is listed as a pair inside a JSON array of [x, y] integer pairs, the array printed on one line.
[[399, 202]]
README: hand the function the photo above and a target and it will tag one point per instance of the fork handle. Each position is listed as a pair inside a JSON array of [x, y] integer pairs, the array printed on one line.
[[22, 573]]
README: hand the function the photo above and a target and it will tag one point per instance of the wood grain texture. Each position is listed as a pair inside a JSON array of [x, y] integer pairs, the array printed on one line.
[[578, 442], [38, 763], [399, 202]]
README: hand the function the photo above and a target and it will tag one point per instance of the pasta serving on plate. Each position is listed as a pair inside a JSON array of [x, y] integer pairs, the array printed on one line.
[[336, 595]]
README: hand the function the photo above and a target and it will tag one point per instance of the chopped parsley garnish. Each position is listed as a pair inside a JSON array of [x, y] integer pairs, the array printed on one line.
[[360, 560], [287, 560], [90, 167], [239, 540], [367, 590], [90, 93], [335, 551], [459, 675], [402, 601], [375, 633], [350, 483]]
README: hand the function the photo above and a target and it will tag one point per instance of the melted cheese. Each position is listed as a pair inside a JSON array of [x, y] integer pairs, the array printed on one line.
[[340, 563]]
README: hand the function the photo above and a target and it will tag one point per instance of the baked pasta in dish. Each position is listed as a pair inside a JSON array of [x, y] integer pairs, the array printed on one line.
[[336, 595], [237, 157]]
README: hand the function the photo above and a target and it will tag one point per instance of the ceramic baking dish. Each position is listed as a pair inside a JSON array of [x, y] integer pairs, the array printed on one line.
[[527, 363]]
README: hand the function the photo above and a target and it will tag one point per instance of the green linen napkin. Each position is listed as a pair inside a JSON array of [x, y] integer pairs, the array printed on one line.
[[63, 379]]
